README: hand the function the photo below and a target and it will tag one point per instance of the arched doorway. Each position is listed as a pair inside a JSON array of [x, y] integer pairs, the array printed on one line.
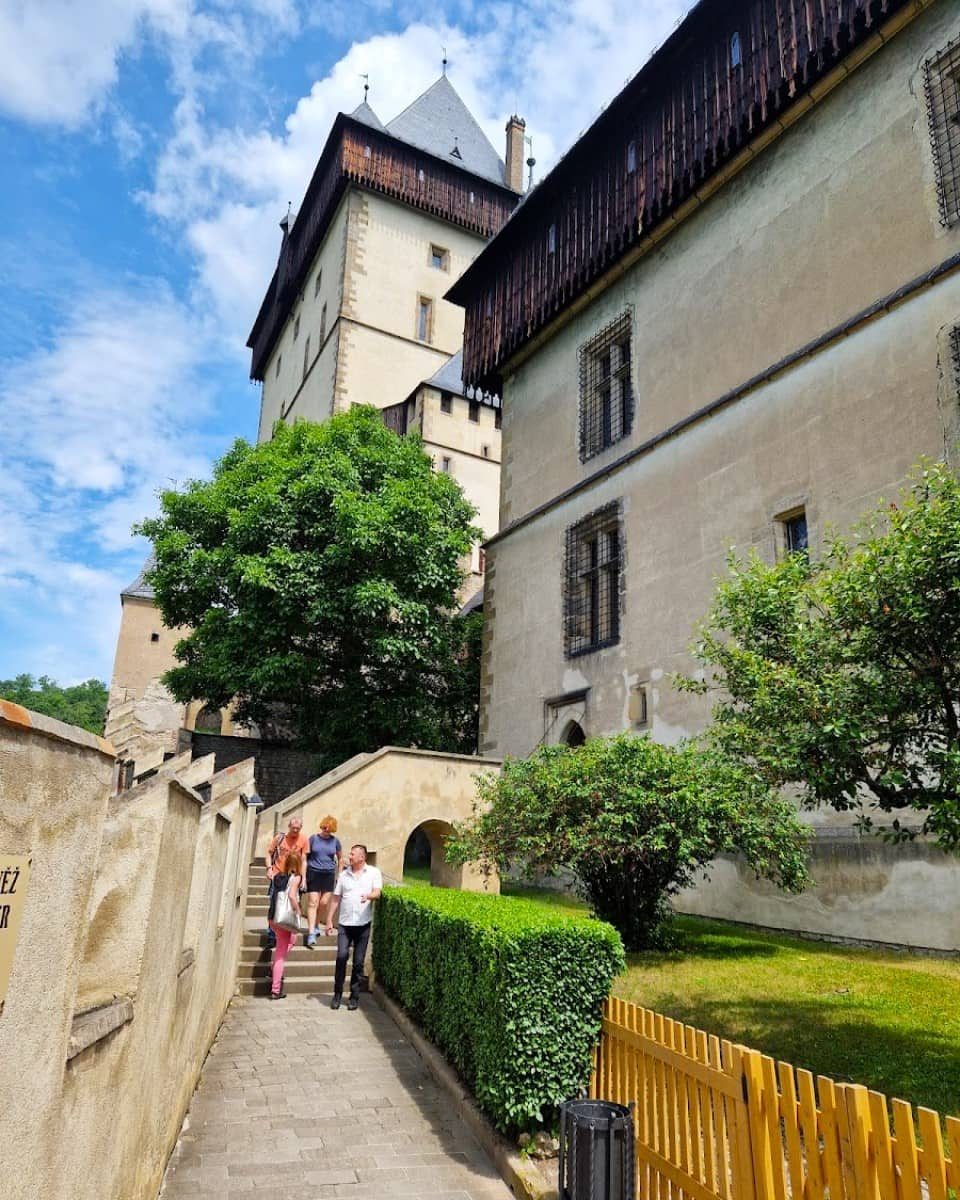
[[573, 735], [424, 861]]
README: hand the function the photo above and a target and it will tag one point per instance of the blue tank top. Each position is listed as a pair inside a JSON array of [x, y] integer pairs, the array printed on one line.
[[323, 853]]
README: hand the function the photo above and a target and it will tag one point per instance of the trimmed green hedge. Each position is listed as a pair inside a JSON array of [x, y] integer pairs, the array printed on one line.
[[511, 994]]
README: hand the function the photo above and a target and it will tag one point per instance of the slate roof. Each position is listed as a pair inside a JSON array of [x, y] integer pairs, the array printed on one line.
[[140, 588], [450, 379], [440, 123], [475, 602], [364, 113]]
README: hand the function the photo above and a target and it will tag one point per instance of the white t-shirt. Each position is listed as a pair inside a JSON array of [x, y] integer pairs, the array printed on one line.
[[350, 887]]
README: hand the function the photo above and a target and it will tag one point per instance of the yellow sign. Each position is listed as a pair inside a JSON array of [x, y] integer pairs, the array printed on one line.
[[14, 874]]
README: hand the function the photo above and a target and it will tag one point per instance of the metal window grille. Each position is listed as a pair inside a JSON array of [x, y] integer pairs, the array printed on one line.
[[955, 356], [606, 387], [942, 87], [592, 582]]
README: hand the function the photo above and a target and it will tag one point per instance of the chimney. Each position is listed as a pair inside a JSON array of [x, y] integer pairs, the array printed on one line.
[[515, 127]]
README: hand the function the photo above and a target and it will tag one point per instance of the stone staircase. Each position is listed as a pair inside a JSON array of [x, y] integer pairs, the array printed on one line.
[[306, 971]]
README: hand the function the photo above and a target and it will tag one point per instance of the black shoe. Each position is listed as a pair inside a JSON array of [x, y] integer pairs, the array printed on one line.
[[353, 1004], [335, 1002], [278, 995]]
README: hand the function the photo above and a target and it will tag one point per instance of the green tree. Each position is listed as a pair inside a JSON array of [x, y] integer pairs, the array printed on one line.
[[81, 704], [318, 575], [634, 821], [842, 676]]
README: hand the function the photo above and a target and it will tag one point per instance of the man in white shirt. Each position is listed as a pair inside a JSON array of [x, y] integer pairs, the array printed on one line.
[[357, 888]]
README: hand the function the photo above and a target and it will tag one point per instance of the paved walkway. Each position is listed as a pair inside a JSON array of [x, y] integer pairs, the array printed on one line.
[[296, 1100]]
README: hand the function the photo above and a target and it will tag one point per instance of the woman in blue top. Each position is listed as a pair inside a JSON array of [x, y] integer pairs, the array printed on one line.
[[324, 859]]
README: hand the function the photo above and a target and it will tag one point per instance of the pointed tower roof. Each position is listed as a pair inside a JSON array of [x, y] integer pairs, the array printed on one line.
[[363, 112], [440, 123], [140, 588]]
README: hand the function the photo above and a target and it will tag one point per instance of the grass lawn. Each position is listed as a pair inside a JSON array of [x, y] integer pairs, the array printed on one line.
[[890, 1021]]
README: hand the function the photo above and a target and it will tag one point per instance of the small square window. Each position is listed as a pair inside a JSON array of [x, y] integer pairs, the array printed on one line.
[[276, 373], [316, 284], [736, 54], [154, 637], [425, 319], [446, 402], [631, 157], [795, 540], [439, 258], [421, 175], [474, 413], [446, 466], [485, 451], [296, 327], [366, 152], [552, 240]]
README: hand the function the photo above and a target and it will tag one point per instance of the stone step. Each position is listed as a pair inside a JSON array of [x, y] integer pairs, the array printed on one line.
[[257, 940], [292, 970], [299, 953], [261, 987]]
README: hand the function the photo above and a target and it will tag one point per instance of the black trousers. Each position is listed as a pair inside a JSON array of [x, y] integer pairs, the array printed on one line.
[[356, 936]]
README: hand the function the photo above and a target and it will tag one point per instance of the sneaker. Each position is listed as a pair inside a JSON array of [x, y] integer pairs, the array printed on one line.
[[353, 1004], [311, 940], [335, 1002], [278, 995]]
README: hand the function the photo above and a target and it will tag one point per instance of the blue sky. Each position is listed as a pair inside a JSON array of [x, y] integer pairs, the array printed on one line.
[[148, 150]]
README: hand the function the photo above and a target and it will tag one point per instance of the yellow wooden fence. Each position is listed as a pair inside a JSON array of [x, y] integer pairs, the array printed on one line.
[[718, 1120]]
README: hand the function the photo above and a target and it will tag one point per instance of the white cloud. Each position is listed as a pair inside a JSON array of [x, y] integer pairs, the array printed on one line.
[[60, 57], [114, 409]]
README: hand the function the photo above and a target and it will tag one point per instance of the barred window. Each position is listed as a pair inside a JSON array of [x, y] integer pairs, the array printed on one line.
[[591, 583], [955, 356], [606, 390], [942, 87]]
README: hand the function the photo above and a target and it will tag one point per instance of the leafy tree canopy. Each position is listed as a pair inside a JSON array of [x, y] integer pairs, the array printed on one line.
[[634, 821], [842, 676], [82, 704], [318, 575]]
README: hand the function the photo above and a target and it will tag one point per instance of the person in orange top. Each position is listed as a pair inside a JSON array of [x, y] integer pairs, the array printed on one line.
[[291, 842]]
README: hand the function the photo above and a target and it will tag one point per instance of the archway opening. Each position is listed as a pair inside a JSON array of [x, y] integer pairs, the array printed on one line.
[[423, 856], [573, 735], [209, 720]]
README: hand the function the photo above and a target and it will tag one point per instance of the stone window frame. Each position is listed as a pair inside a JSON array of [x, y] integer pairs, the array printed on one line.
[[593, 581], [941, 84], [607, 402], [424, 326]]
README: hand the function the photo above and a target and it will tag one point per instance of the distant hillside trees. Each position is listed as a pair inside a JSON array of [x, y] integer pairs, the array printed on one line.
[[82, 704], [318, 573]]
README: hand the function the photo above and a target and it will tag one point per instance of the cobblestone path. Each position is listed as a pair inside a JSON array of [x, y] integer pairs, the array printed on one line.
[[296, 1100]]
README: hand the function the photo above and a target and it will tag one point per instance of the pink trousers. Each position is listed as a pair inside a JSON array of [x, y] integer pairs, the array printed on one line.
[[285, 940]]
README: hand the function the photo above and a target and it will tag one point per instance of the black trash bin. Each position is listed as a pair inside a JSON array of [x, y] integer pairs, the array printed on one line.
[[596, 1151]]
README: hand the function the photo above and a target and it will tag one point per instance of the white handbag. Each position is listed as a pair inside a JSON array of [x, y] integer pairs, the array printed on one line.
[[286, 914]]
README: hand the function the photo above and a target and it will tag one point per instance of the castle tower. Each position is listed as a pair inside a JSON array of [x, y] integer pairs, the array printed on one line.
[[392, 216]]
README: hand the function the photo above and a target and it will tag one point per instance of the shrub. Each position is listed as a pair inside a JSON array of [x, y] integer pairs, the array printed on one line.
[[509, 993], [634, 821]]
